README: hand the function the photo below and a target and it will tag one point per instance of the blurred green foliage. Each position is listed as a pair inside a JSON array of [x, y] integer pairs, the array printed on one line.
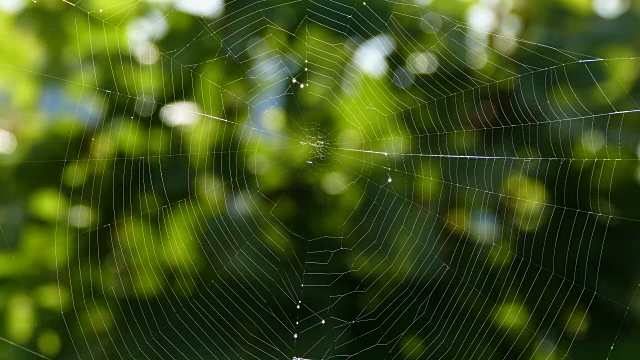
[[127, 220]]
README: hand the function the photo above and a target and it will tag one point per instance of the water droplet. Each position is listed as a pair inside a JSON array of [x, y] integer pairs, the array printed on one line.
[[295, 336], [309, 162], [100, 10], [301, 86], [389, 179], [322, 322], [298, 307]]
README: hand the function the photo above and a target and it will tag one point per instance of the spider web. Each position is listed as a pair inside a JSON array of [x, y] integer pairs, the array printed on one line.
[[335, 179]]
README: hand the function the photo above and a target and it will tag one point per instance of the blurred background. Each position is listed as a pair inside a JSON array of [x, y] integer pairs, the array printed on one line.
[[319, 179]]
